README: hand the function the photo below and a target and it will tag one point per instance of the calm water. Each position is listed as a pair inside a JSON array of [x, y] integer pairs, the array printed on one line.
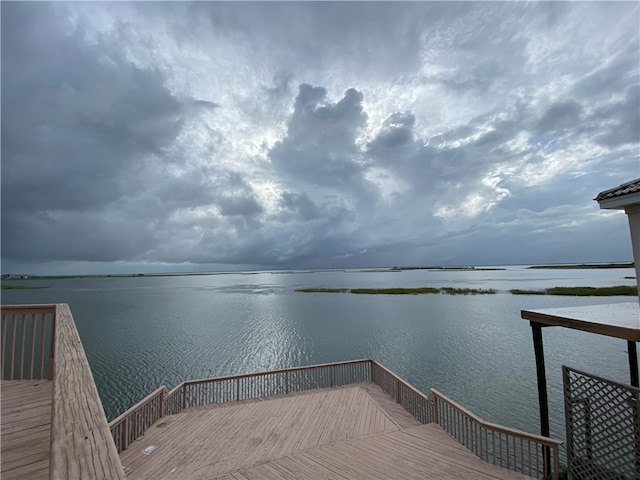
[[140, 333]]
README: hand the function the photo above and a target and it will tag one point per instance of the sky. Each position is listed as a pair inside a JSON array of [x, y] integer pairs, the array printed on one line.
[[160, 137]]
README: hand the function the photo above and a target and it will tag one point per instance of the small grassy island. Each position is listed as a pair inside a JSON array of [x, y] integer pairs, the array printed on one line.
[[21, 287], [623, 290], [584, 266], [401, 291], [619, 290]]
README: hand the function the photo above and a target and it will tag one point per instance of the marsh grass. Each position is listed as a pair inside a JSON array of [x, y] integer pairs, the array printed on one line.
[[322, 290], [518, 291], [402, 291], [584, 266], [619, 290], [394, 291], [21, 287], [594, 291], [468, 291]]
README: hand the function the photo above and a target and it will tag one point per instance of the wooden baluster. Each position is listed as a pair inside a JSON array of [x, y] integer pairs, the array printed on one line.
[[33, 345], [12, 356], [5, 321], [43, 328], [22, 342]]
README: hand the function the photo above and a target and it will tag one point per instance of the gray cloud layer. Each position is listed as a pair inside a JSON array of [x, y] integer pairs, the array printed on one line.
[[172, 135]]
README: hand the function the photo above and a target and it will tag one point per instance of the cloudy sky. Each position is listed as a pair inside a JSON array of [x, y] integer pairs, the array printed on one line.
[[163, 136]]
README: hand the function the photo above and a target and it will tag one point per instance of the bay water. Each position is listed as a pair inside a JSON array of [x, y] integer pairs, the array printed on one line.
[[146, 331]]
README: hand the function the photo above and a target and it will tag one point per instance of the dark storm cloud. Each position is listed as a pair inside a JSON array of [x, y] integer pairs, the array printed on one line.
[[320, 144], [81, 116], [325, 31], [396, 132], [560, 116], [613, 76], [299, 205], [205, 104], [621, 120], [314, 134], [89, 153]]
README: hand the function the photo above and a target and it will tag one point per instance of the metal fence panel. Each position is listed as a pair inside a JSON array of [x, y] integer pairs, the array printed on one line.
[[603, 427]]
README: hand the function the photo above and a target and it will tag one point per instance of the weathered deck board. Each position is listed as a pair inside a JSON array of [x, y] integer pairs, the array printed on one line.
[[350, 432], [25, 426]]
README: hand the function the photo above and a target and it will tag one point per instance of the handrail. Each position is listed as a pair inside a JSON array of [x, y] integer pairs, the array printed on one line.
[[135, 421], [131, 425], [281, 370], [495, 443], [491, 442], [42, 342], [26, 345], [412, 399], [81, 445]]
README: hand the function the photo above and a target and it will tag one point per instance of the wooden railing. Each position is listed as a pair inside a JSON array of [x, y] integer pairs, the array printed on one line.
[[43, 338], [275, 382], [194, 393], [131, 425], [506, 447], [509, 448], [413, 400], [27, 342]]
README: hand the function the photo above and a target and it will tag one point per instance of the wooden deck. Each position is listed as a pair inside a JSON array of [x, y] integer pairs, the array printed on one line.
[[25, 428], [351, 432]]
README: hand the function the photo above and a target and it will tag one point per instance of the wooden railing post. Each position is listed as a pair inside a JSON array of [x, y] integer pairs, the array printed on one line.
[[237, 389], [398, 394], [286, 382], [184, 396], [436, 418], [53, 343], [161, 406], [125, 433]]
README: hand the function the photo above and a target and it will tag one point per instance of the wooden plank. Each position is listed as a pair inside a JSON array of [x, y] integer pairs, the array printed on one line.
[[251, 432], [25, 428], [86, 450]]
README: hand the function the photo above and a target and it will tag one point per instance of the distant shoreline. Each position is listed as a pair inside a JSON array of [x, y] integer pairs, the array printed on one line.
[[618, 290], [21, 287], [578, 266]]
